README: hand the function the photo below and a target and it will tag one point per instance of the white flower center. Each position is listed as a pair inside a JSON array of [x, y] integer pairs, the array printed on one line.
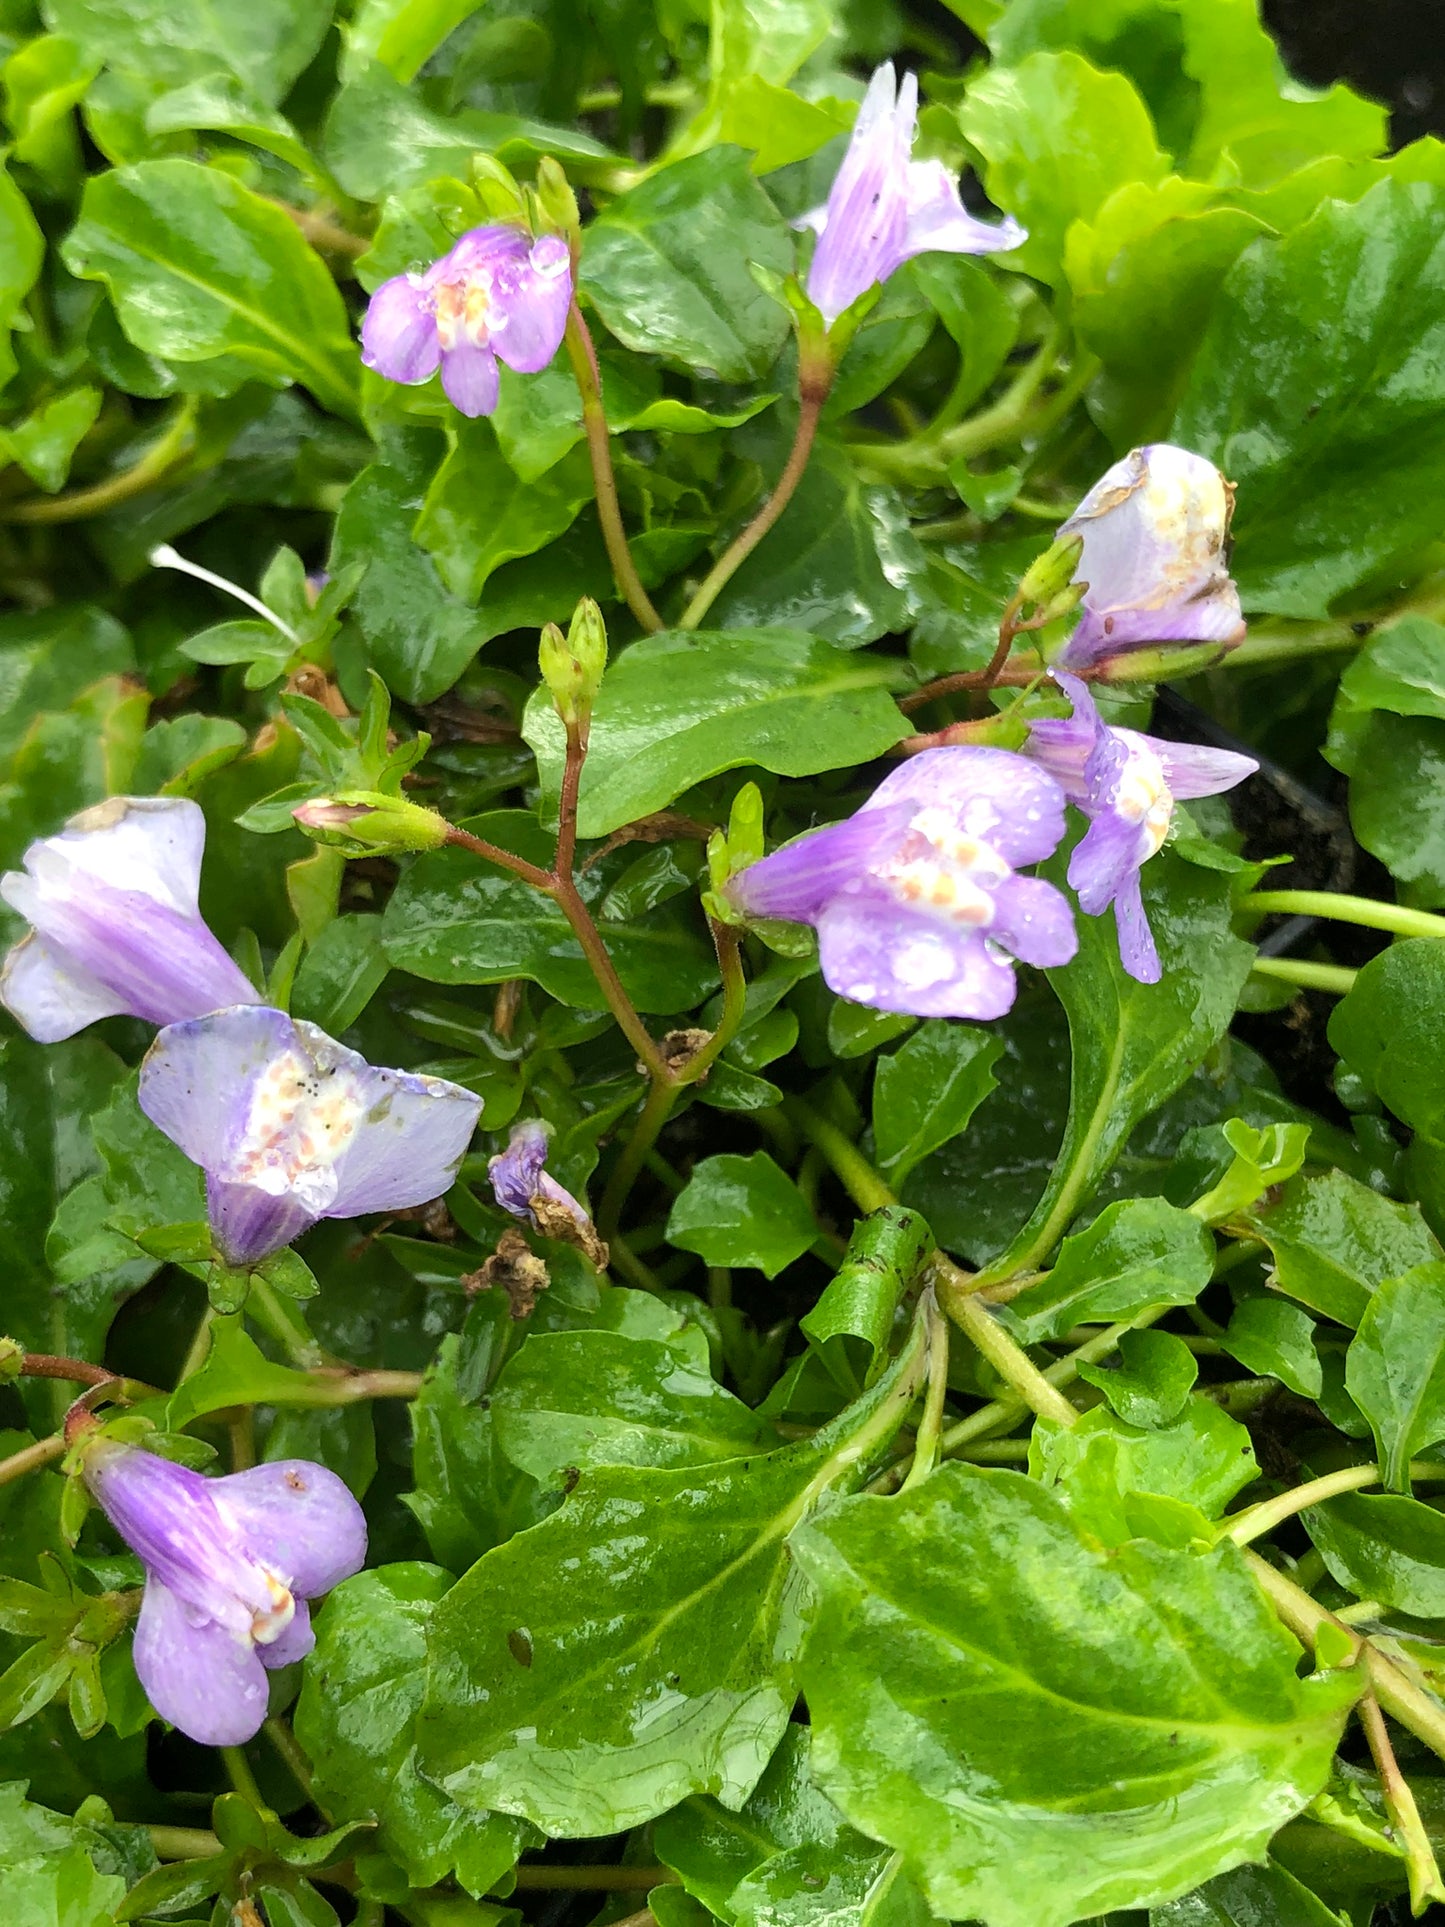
[[300, 1119], [945, 873], [463, 309], [1143, 795]]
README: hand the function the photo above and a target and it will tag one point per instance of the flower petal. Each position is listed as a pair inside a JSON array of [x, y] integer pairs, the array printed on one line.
[[164, 1513], [208, 1682], [197, 1078], [1194, 770], [994, 794], [408, 1145], [469, 376], [50, 996], [1033, 922], [488, 249], [515, 1172], [797, 881], [529, 304], [864, 227], [399, 334], [249, 1224], [298, 1518], [296, 1640], [148, 846], [938, 222], [1137, 950], [874, 953], [1108, 854]]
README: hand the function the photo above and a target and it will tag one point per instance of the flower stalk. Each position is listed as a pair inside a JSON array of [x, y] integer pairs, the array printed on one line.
[[583, 356]]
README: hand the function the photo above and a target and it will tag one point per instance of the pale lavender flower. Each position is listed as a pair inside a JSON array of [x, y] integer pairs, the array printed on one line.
[[916, 898], [496, 293], [1154, 530], [289, 1126], [523, 1186], [884, 207], [1127, 785], [115, 925], [230, 1564]]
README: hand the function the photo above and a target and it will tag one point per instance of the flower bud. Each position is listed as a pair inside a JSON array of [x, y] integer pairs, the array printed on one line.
[[367, 823], [1051, 575], [12, 1359], [572, 666], [555, 197]]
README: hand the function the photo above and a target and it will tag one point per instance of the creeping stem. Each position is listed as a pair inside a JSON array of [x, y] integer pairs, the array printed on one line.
[[743, 544], [168, 451], [1395, 917], [588, 376]]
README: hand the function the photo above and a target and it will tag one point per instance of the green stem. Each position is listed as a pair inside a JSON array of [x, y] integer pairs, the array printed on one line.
[[654, 1114], [852, 1170], [297, 1765], [1004, 1413], [611, 1880], [588, 376], [343, 1387], [727, 943], [1401, 1810], [281, 1321], [78, 504], [1410, 1704], [928, 1442], [1245, 1527], [1304, 975], [238, 1772], [995, 1452], [31, 1458], [742, 545], [1367, 911]]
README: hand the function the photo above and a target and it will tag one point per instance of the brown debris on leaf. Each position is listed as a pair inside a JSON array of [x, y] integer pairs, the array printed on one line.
[[513, 1268]]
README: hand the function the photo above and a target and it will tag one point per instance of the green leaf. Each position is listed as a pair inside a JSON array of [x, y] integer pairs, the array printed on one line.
[[1317, 389], [788, 1858], [677, 708], [778, 126], [454, 919], [1400, 669], [1388, 1026], [1101, 1729], [885, 1254], [927, 1091], [1151, 1384], [1396, 806], [1137, 1253], [360, 1695], [742, 1211], [679, 1676], [1249, 1897], [204, 271], [1383, 1548], [1059, 138], [45, 441], [1202, 1459], [1275, 1340], [1334, 1240], [401, 34], [593, 1398], [1395, 1368], [168, 42], [340, 973], [48, 658], [668, 267], [1257, 1159], [476, 516], [842, 563], [1134, 1044], [22, 249], [236, 1372]]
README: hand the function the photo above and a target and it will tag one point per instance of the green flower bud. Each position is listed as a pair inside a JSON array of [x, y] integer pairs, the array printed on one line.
[[1053, 572], [367, 823], [572, 666], [556, 199], [12, 1359]]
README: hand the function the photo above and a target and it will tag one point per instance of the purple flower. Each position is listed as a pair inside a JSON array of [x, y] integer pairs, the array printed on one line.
[[230, 1564], [523, 1186], [497, 292], [115, 926], [916, 899], [289, 1126], [883, 207], [1127, 785], [1154, 530]]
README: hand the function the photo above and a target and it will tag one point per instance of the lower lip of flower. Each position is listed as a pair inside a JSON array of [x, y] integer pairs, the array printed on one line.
[[946, 874], [1144, 798], [268, 1622], [463, 310], [299, 1122]]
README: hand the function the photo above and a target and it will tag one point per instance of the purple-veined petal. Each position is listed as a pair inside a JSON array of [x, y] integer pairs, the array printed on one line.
[[863, 233], [296, 1639], [992, 794], [1109, 852], [487, 249], [797, 881], [206, 1680], [1137, 950], [875, 953], [399, 334], [197, 1078], [407, 1147], [1033, 922], [249, 1224], [300, 1518], [529, 304], [469, 376], [515, 1172], [1194, 770], [148, 846], [49, 995], [938, 222], [1063, 745]]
